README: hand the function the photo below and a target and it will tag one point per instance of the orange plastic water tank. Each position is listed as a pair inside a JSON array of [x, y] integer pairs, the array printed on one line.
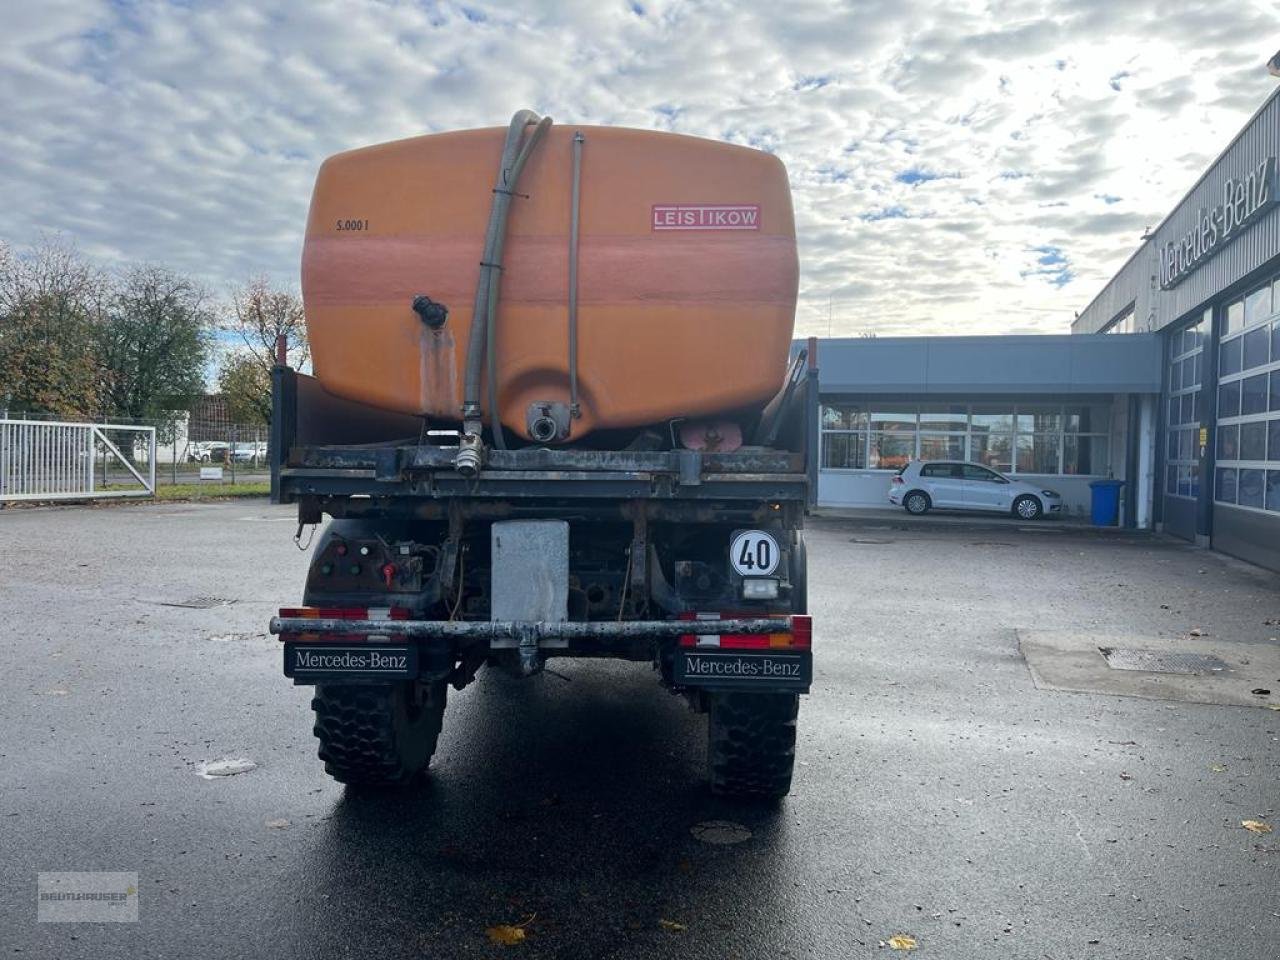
[[687, 275]]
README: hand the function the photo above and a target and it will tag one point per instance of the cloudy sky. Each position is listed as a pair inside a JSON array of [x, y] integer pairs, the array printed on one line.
[[958, 167]]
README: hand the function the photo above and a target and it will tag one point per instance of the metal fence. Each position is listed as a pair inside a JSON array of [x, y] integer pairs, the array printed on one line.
[[56, 460], [192, 451]]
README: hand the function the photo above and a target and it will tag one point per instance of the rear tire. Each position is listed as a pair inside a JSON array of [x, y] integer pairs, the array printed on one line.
[[917, 503], [378, 735], [751, 748]]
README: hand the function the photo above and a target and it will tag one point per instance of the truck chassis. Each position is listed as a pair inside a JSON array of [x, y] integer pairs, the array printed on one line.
[[691, 561]]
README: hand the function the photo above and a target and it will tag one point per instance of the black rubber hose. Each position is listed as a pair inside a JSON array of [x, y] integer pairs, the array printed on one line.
[[495, 281], [497, 225]]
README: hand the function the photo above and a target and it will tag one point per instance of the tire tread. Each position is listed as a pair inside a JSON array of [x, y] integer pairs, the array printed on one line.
[[361, 740], [751, 744]]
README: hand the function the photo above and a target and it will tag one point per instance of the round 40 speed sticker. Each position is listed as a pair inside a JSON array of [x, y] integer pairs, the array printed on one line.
[[754, 553]]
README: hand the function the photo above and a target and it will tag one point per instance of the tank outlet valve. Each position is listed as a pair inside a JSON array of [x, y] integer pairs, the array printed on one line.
[[470, 455], [431, 313], [547, 422], [543, 429]]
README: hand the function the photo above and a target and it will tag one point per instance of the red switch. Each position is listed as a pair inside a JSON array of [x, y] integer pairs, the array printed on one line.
[[388, 573]]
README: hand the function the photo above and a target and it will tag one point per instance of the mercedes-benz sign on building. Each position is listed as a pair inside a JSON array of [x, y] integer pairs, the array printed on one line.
[[1207, 281]]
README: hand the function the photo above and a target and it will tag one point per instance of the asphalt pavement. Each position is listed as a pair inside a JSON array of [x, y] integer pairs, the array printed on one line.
[[938, 795]]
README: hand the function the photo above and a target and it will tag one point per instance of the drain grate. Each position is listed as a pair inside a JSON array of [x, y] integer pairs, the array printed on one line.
[[198, 603], [1153, 661]]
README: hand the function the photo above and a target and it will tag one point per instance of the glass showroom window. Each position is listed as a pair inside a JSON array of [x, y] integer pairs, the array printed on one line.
[[844, 437], [944, 431], [1038, 442], [1182, 413], [893, 437], [1045, 439], [1248, 426], [991, 436], [1086, 440]]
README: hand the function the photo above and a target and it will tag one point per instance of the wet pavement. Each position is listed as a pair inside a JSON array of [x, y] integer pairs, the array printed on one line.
[[939, 795]]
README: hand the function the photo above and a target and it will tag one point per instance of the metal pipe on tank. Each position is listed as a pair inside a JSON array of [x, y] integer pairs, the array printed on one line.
[[470, 447], [513, 160], [510, 177], [575, 208], [497, 223]]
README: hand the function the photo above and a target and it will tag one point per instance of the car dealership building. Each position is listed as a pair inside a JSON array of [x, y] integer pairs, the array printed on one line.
[[1170, 379]]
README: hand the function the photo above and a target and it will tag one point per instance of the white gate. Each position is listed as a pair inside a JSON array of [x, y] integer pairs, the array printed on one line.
[[50, 460]]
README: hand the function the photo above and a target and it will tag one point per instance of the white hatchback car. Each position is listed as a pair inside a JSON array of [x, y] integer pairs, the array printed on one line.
[[923, 485]]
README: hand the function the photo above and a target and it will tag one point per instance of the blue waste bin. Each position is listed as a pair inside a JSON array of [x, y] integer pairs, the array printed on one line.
[[1105, 502]]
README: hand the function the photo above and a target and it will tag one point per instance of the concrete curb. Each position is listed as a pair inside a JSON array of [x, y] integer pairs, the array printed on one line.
[[901, 520]]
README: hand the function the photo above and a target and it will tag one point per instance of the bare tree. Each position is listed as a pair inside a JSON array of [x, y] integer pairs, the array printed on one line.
[[260, 314]]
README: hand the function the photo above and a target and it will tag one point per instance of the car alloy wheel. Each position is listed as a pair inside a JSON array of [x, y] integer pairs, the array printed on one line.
[[917, 503], [1028, 508]]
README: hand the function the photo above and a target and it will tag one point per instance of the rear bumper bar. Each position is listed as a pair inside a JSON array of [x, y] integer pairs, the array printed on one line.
[[515, 633]]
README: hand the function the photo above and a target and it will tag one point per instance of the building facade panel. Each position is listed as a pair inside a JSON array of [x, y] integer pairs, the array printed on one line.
[[1209, 281]]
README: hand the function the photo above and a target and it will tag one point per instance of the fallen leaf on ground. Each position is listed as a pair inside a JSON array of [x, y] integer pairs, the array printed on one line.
[[1218, 768], [672, 925], [509, 934], [1256, 826], [505, 934], [901, 941], [1126, 776], [278, 824]]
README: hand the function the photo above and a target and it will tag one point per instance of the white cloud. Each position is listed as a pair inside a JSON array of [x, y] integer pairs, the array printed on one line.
[[958, 167]]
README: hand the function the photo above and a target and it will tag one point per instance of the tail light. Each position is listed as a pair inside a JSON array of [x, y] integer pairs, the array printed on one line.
[[897, 479], [799, 637], [340, 613]]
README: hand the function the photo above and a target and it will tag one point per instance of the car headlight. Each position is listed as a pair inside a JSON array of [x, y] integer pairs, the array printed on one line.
[[1051, 493]]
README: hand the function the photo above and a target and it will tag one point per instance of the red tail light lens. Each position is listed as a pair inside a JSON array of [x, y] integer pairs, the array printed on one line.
[[346, 613], [339, 613], [802, 631], [799, 637]]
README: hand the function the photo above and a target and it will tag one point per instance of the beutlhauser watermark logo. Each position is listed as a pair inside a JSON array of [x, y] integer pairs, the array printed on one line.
[[87, 897]]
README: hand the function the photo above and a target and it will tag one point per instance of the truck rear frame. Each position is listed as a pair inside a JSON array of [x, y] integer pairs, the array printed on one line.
[[404, 577]]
